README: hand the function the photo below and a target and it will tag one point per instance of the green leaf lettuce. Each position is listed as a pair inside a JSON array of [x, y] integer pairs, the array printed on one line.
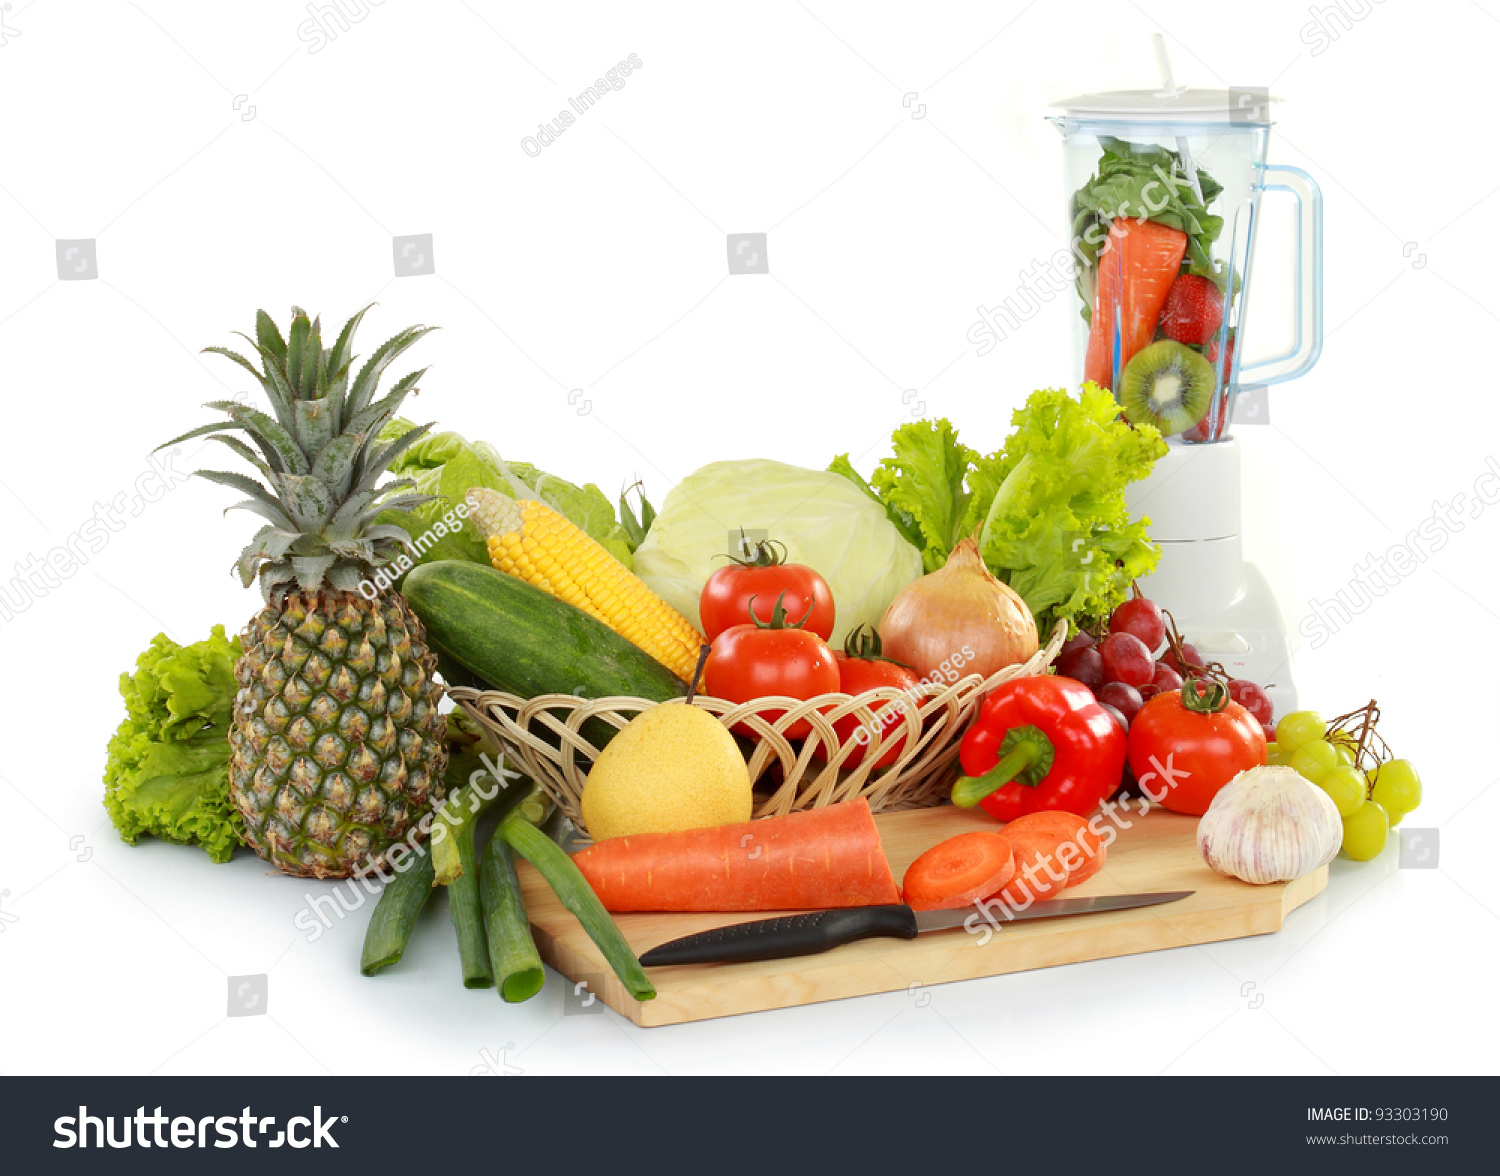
[[1049, 507], [1057, 529], [922, 487], [168, 769]]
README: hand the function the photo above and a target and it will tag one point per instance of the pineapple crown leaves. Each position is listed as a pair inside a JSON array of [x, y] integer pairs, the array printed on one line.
[[318, 454]]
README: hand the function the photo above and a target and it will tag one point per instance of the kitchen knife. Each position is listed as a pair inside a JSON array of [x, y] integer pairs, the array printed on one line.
[[815, 931]]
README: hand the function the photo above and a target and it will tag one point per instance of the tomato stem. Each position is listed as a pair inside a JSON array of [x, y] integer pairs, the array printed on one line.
[[766, 553], [1205, 696], [778, 615], [863, 644]]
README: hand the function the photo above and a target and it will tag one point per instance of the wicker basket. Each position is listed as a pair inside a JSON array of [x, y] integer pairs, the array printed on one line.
[[917, 777]]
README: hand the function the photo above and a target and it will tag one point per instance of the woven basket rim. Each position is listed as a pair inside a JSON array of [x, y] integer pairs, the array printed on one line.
[[545, 733], [778, 701]]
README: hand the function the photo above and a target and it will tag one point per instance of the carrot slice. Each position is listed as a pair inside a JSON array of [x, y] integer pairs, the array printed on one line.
[[825, 857], [1137, 266], [958, 871], [1075, 846], [1039, 875]]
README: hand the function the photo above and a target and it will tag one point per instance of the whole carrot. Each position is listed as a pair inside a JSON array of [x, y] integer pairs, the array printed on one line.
[[827, 857]]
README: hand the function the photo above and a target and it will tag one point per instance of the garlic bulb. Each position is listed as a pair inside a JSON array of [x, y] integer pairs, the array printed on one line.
[[1269, 824]]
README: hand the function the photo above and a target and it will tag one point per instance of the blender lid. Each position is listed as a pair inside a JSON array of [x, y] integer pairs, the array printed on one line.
[[1246, 104]]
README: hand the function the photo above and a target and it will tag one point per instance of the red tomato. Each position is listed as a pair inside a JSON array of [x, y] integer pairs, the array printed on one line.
[[1187, 744], [747, 662], [857, 674], [725, 600]]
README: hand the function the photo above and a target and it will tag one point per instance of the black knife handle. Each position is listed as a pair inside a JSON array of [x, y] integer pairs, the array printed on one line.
[[788, 935]]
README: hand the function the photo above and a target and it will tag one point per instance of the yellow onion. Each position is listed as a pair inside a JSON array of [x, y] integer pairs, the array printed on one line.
[[958, 620]]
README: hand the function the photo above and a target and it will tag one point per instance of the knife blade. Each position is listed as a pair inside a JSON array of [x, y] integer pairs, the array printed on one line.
[[816, 931]]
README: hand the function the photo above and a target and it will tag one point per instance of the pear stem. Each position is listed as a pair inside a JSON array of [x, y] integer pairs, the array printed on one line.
[[697, 673]]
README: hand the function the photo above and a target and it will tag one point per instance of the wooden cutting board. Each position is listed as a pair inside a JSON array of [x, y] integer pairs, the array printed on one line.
[[1157, 852]]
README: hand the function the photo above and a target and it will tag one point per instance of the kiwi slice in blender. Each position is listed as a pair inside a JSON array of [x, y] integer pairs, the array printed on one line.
[[1167, 384]]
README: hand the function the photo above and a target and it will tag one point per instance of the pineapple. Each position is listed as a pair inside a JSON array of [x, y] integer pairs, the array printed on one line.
[[337, 741]]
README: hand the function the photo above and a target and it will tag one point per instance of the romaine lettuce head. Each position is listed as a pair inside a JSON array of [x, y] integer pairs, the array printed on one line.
[[447, 466], [825, 521]]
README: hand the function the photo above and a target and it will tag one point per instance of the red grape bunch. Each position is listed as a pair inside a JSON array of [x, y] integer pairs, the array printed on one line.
[[1139, 657]]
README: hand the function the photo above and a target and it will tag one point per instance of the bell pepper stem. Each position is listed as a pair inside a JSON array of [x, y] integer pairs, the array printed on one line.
[[970, 790]]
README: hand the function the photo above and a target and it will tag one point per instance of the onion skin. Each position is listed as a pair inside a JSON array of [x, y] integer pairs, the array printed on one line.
[[1269, 824], [958, 620]]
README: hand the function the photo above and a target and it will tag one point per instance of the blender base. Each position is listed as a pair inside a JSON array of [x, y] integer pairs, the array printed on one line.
[[1221, 602], [1247, 636]]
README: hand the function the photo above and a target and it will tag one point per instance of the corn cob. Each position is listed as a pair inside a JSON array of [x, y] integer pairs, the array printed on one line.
[[531, 541]]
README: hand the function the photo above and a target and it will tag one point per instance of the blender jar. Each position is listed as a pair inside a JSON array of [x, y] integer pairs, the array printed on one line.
[[1164, 194]]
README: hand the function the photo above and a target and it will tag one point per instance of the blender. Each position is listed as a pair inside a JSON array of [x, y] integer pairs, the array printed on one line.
[[1165, 189]]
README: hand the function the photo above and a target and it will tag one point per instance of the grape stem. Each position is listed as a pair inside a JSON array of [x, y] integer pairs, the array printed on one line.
[[1371, 750], [1175, 643]]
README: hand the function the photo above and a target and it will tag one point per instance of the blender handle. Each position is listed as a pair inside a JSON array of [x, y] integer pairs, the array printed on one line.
[[1307, 345]]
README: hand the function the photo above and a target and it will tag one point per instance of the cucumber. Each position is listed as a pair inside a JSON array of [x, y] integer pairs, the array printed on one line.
[[519, 639]]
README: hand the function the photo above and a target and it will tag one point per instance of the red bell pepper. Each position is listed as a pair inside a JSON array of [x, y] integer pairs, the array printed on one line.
[[1040, 743]]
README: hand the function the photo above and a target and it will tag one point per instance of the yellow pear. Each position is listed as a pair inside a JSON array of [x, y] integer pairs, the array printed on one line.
[[672, 767]]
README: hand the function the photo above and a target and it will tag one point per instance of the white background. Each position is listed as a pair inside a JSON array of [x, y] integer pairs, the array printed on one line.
[[601, 266]]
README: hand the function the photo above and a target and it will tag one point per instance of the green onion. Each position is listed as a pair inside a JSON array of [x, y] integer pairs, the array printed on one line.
[[396, 913], [455, 863], [514, 961], [574, 892], [462, 811], [467, 914]]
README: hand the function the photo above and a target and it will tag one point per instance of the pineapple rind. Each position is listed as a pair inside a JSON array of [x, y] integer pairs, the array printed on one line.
[[332, 766]]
